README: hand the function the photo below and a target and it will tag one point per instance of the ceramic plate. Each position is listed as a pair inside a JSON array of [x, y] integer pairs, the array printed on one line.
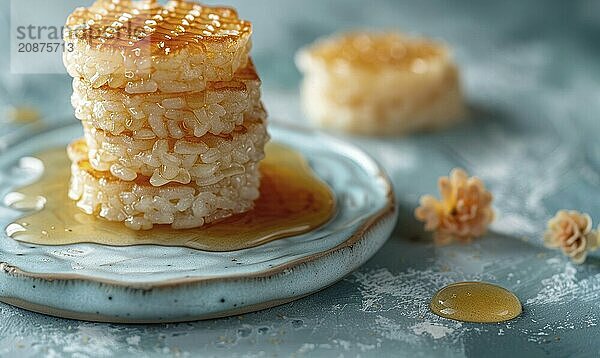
[[146, 283]]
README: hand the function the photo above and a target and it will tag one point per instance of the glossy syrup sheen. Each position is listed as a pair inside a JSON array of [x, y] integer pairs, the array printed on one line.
[[478, 302], [165, 28], [374, 50], [292, 201]]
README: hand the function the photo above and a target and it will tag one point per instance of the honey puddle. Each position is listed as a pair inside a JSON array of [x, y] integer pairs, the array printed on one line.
[[292, 201], [476, 302]]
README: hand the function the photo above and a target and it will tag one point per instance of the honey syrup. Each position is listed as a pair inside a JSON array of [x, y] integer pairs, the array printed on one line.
[[292, 201], [478, 302]]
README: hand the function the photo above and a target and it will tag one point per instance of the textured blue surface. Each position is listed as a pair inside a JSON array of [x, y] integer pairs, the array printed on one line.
[[531, 74]]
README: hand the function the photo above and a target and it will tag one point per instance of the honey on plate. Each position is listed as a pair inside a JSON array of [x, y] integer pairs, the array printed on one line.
[[293, 200], [478, 302]]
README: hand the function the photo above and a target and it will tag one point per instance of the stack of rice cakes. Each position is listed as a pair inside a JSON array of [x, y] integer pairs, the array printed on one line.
[[170, 104]]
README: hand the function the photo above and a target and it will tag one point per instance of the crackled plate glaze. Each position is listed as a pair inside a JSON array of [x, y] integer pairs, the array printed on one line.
[[146, 283]]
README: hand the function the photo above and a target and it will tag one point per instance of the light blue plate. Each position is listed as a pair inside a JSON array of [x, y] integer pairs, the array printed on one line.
[[146, 283]]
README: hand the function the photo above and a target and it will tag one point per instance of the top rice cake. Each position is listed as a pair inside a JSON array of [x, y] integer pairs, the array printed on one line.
[[143, 47]]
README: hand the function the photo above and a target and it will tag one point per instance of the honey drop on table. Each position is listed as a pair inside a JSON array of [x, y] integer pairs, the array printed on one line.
[[478, 302], [293, 201]]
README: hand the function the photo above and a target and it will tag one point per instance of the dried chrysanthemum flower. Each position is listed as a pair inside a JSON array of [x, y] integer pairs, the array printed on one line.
[[572, 232], [464, 211]]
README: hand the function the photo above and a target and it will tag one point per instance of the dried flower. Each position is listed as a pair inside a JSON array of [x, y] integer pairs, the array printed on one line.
[[464, 211], [572, 232]]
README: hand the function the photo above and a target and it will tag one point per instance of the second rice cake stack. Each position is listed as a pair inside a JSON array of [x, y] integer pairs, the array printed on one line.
[[380, 83], [174, 128]]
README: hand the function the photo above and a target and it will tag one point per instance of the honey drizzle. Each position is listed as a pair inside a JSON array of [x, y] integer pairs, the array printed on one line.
[[373, 50], [128, 24], [292, 201], [478, 302]]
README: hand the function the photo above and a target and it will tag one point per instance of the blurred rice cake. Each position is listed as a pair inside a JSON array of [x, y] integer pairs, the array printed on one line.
[[380, 84]]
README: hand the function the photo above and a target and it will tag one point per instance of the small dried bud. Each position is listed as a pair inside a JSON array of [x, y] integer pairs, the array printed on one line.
[[464, 211], [572, 232]]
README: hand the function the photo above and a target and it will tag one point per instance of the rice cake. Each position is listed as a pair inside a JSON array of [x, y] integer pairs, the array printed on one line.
[[144, 47], [141, 205], [203, 160], [380, 84], [217, 110]]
